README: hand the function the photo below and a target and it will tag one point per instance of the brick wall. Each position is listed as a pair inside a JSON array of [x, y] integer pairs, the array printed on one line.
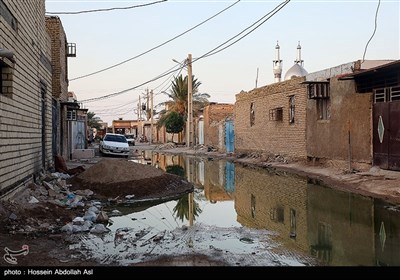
[[59, 79], [267, 135], [214, 116], [59, 58], [21, 111]]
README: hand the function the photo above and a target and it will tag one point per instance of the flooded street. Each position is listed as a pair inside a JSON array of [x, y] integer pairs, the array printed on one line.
[[244, 216]]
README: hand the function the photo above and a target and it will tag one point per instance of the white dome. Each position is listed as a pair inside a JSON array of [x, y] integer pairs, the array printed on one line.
[[296, 70]]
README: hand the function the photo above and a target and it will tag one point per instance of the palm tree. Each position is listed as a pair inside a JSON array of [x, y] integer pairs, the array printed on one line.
[[93, 120], [179, 97]]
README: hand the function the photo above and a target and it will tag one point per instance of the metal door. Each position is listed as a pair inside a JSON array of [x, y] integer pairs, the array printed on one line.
[[386, 130], [229, 136]]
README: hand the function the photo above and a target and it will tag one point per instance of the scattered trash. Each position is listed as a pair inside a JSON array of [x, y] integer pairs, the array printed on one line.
[[99, 228], [33, 200], [102, 217], [115, 212], [246, 240]]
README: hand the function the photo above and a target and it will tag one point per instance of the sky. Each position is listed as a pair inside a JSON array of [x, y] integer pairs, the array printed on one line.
[[155, 33]]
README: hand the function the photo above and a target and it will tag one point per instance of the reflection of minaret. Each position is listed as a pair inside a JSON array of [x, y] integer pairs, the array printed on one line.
[[298, 59], [277, 64]]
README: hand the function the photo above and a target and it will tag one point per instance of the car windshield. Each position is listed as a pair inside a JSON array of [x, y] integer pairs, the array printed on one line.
[[129, 136], [115, 138]]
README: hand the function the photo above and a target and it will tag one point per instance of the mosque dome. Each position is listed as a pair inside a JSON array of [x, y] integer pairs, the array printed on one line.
[[296, 70]]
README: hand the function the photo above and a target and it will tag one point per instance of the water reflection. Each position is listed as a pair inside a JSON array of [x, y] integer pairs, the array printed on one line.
[[253, 216], [337, 228], [187, 208]]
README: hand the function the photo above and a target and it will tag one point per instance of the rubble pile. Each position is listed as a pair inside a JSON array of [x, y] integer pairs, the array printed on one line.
[[58, 202], [48, 205]]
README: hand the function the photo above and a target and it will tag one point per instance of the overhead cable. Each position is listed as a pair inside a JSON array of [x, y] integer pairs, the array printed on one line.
[[156, 47], [104, 10]]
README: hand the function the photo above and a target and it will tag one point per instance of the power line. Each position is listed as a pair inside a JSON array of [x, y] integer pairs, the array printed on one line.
[[135, 87], [104, 10], [209, 53], [156, 47], [373, 34], [268, 16]]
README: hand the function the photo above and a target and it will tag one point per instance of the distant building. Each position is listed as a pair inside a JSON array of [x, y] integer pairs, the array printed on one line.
[[64, 103], [215, 116]]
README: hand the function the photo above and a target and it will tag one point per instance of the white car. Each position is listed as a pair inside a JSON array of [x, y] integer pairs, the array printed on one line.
[[114, 144]]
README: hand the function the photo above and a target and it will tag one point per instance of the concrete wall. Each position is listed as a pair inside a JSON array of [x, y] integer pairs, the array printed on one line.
[[214, 116], [329, 139], [21, 110], [271, 136]]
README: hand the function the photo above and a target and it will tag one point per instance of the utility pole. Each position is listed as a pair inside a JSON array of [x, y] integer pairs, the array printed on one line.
[[147, 105], [139, 119], [189, 128], [151, 117]]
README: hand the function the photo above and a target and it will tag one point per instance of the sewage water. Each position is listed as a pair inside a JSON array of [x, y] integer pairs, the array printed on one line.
[[243, 216]]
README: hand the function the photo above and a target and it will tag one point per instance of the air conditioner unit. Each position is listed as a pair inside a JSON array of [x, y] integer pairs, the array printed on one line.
[[71, 115]]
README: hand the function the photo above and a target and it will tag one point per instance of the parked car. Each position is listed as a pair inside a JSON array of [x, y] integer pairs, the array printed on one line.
[[114, 144], [131, 139]]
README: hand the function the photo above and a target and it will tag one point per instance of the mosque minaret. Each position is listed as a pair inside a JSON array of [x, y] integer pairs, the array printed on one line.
[[277, 64]]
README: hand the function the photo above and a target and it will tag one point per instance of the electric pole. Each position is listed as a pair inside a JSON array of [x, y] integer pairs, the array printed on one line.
[[139, 120], [151, 117], [189, 132]]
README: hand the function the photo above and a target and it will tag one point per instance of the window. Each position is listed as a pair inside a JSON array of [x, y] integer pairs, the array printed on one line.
[[71, 115], [292, 223], [388, 94], [291, 109], [6, 79], [324, 109], [276, 114], [253, 206], [252, 114], [323, 249], [277, 214]]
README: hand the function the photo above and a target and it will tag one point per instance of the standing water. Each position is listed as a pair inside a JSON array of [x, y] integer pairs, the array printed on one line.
[[242, 216]]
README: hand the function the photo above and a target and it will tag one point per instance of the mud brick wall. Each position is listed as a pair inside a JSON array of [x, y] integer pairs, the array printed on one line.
[[266, 134], [214, 116]]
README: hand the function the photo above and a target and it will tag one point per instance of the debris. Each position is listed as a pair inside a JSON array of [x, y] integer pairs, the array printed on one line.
[[99, 228], [33, 200]]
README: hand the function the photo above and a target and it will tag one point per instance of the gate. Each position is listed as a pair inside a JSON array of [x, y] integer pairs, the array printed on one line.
[[386, 128], [229, 136]]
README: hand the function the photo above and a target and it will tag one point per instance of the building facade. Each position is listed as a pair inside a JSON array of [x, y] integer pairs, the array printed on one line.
[[272, 120], [339, 120], [26, 93], [215, 116], [60, 51]]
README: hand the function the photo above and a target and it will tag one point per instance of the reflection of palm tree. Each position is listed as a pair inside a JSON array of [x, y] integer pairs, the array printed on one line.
[[181, 208]]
